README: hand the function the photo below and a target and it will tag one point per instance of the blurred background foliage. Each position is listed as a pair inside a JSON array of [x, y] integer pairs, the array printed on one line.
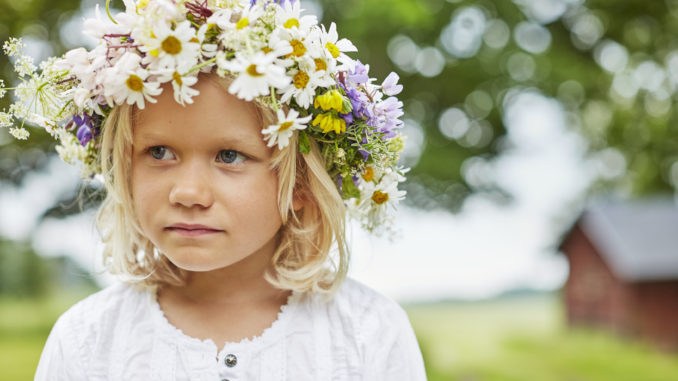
[[612, 66]]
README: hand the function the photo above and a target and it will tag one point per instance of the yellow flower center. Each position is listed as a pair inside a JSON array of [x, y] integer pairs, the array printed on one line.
[[369, 174], [298, 48], [290, 23], [320, 64], [285, 126], [243, 22], [334, 51], [171, 45], [266, 49], [177, 78], [135, 83], [252, 70], [301, 80], [194, 40], [379, 197]]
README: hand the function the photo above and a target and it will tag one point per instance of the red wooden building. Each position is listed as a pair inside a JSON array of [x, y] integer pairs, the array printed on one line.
[[623, 260]]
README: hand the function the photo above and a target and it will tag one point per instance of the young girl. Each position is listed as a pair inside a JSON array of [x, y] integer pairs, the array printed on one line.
[[229, 136]]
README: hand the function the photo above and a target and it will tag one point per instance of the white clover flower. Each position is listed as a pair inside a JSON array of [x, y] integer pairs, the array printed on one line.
[[283, 130], [255, 74], [177, 49], [289, 17]]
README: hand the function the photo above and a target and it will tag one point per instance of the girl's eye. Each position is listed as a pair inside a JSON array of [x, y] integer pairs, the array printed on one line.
[[160, 153], [230, 156]]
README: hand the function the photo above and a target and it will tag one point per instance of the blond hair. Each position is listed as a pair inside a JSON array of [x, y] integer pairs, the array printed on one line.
[[303, 260]]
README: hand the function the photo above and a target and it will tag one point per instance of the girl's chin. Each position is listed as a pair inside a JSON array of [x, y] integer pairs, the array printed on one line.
[[201, 262]]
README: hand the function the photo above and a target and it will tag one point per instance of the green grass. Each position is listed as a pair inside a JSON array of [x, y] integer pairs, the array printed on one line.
[[518, 339], [24, 327], [526, 339]]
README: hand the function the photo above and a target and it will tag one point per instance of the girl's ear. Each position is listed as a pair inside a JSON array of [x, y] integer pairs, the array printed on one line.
[[298, 200]]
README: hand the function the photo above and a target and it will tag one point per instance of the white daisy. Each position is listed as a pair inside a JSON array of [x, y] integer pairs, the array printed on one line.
[[283, 130], [221, 18], [305, 80], [183, 92], [291, 40], [178, 48], [126, 83], [336, 49], [289, 17], [254, 74]]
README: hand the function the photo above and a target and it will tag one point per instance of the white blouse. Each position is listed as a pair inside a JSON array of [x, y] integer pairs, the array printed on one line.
[[120, 333]]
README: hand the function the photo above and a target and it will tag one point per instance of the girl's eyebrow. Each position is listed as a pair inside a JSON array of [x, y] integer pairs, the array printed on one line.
[[225, 141]]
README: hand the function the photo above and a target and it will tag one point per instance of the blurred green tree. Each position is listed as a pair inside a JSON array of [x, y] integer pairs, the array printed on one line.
[[612, 65]]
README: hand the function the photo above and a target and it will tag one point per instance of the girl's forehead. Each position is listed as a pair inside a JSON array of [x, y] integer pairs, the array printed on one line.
[[214, 114]]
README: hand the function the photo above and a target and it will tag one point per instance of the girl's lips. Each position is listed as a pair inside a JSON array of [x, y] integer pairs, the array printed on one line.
[[192, 230]]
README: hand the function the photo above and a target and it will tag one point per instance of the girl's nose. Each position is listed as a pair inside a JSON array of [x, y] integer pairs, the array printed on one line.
[[192, 188]]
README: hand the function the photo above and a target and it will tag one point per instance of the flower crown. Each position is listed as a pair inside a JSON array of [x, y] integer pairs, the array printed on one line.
[[275, 55]]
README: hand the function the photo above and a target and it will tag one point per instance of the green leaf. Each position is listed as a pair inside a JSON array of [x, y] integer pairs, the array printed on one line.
[[346, 106], [304, 143], [348, 188]]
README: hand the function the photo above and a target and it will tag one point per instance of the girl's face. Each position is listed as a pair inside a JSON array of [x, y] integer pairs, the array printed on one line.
[[203, 190]]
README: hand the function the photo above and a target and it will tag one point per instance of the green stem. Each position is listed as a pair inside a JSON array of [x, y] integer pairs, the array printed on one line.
[[274, 100], [201, 65], [108, 12]]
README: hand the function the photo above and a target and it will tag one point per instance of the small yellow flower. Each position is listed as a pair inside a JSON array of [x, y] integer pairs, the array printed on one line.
[[331, 100], [330, 122]]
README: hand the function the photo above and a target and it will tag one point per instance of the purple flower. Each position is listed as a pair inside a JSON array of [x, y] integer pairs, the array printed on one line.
[[86, 130], [348, 118], [358, 100], [390, 85], [84, 134], [358, 76], [385, 117]]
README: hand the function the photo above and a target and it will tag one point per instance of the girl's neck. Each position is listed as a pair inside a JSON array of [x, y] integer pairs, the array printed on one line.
[[241, 282]]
